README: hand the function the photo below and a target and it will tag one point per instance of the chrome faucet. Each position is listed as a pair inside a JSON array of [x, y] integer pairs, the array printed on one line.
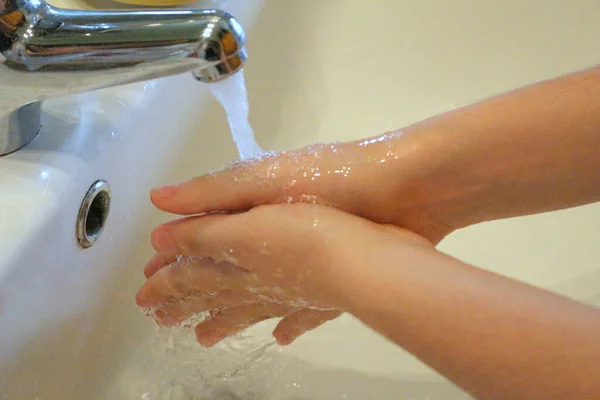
[[51, 52]]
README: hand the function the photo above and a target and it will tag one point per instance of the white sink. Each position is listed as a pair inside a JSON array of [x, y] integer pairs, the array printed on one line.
[[317, 71]]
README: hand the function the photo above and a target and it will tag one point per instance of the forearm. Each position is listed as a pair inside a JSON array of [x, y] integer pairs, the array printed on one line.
[[532, 150], [495, 337]]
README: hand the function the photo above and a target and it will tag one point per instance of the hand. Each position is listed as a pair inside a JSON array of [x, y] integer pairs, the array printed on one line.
[[381, 179], [232, 299], [289, 261], [528, 151], [360, 177]]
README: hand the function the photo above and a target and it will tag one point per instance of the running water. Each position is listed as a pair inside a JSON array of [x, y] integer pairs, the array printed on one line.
[[181, 369], [231, 94], [178, 368]]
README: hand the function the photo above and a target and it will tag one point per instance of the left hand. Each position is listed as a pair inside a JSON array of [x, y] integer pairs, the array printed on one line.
[[233, 297], [271, 261]]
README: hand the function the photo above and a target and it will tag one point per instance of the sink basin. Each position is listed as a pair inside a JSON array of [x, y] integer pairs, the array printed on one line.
[[69, 327]]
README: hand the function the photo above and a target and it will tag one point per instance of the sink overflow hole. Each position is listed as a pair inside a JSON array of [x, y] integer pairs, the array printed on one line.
[[93, 214]]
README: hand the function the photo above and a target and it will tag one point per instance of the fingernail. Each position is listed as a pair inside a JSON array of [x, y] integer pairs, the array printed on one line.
[[284, 340], [166, 191]]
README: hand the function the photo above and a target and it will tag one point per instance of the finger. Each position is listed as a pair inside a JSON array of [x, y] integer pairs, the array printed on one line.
[[230, 321], [158, 261], [300, 322], [223, 238], [175, 312], [190, 236], [236, 238], [237, 188], [179, 280], [272, 178]]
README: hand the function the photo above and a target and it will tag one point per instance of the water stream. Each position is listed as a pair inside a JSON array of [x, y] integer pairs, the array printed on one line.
[[232, 95], [181, 369]]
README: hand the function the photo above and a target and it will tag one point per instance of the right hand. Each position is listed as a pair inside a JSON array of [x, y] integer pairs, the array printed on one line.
[[381, 179], [529, 151], [305, 263]]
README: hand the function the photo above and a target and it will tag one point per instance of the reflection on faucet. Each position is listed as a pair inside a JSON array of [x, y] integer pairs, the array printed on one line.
[[52, 52]]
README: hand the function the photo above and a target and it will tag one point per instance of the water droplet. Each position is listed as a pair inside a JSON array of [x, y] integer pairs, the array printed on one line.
[[272, 170], [305, 198], [228, 255], [373, 141]]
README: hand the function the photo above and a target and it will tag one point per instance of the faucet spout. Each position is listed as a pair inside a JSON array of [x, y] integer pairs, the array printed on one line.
[[51, 52]]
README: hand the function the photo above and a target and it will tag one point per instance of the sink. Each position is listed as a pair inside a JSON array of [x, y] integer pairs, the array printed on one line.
[[69, 327]]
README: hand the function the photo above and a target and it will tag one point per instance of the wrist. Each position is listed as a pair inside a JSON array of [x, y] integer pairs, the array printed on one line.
[[524, 152], [431, 191], [366, 282]]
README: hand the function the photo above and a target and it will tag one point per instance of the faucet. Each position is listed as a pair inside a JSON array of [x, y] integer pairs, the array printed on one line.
[[51, 52]]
